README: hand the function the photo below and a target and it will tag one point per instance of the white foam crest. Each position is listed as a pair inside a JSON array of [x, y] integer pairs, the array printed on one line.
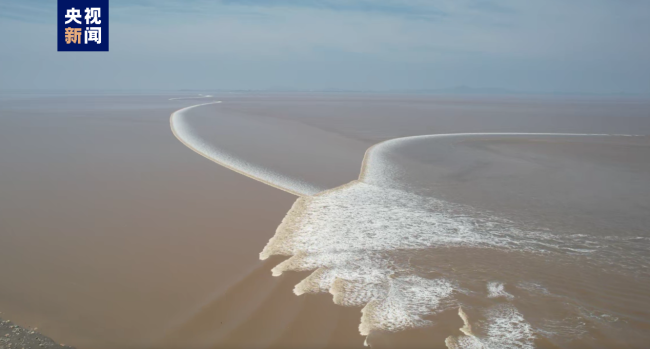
[[408, 300], [183, 130], [504, 327], [507, 328], [198, 97], [466, 341], [353, 236], [361, 220], [497, 290], [375, 168], [358, 240]]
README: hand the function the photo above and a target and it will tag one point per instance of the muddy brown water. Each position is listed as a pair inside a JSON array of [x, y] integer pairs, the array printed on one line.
[[113, 234]]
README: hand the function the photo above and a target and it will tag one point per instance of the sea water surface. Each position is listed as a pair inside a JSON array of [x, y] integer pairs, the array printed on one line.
[[388, 244], [113, 234], [514, 240]]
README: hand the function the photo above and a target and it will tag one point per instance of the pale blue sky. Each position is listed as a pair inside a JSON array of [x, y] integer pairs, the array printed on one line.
[[591, 46]]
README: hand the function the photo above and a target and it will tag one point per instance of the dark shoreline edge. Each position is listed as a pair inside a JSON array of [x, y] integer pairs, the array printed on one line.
[[13, 336]]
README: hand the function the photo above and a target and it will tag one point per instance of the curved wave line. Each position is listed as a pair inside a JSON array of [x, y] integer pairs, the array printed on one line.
[[264, 175], [300, 188], [290, 240], [376, 149], [200, 96]]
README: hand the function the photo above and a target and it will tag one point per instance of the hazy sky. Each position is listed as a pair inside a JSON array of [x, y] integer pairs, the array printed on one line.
[[593, 46]]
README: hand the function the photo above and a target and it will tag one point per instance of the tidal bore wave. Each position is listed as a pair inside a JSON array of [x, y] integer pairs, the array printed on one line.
[[406, 259], [184, 132], [200, 96]]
